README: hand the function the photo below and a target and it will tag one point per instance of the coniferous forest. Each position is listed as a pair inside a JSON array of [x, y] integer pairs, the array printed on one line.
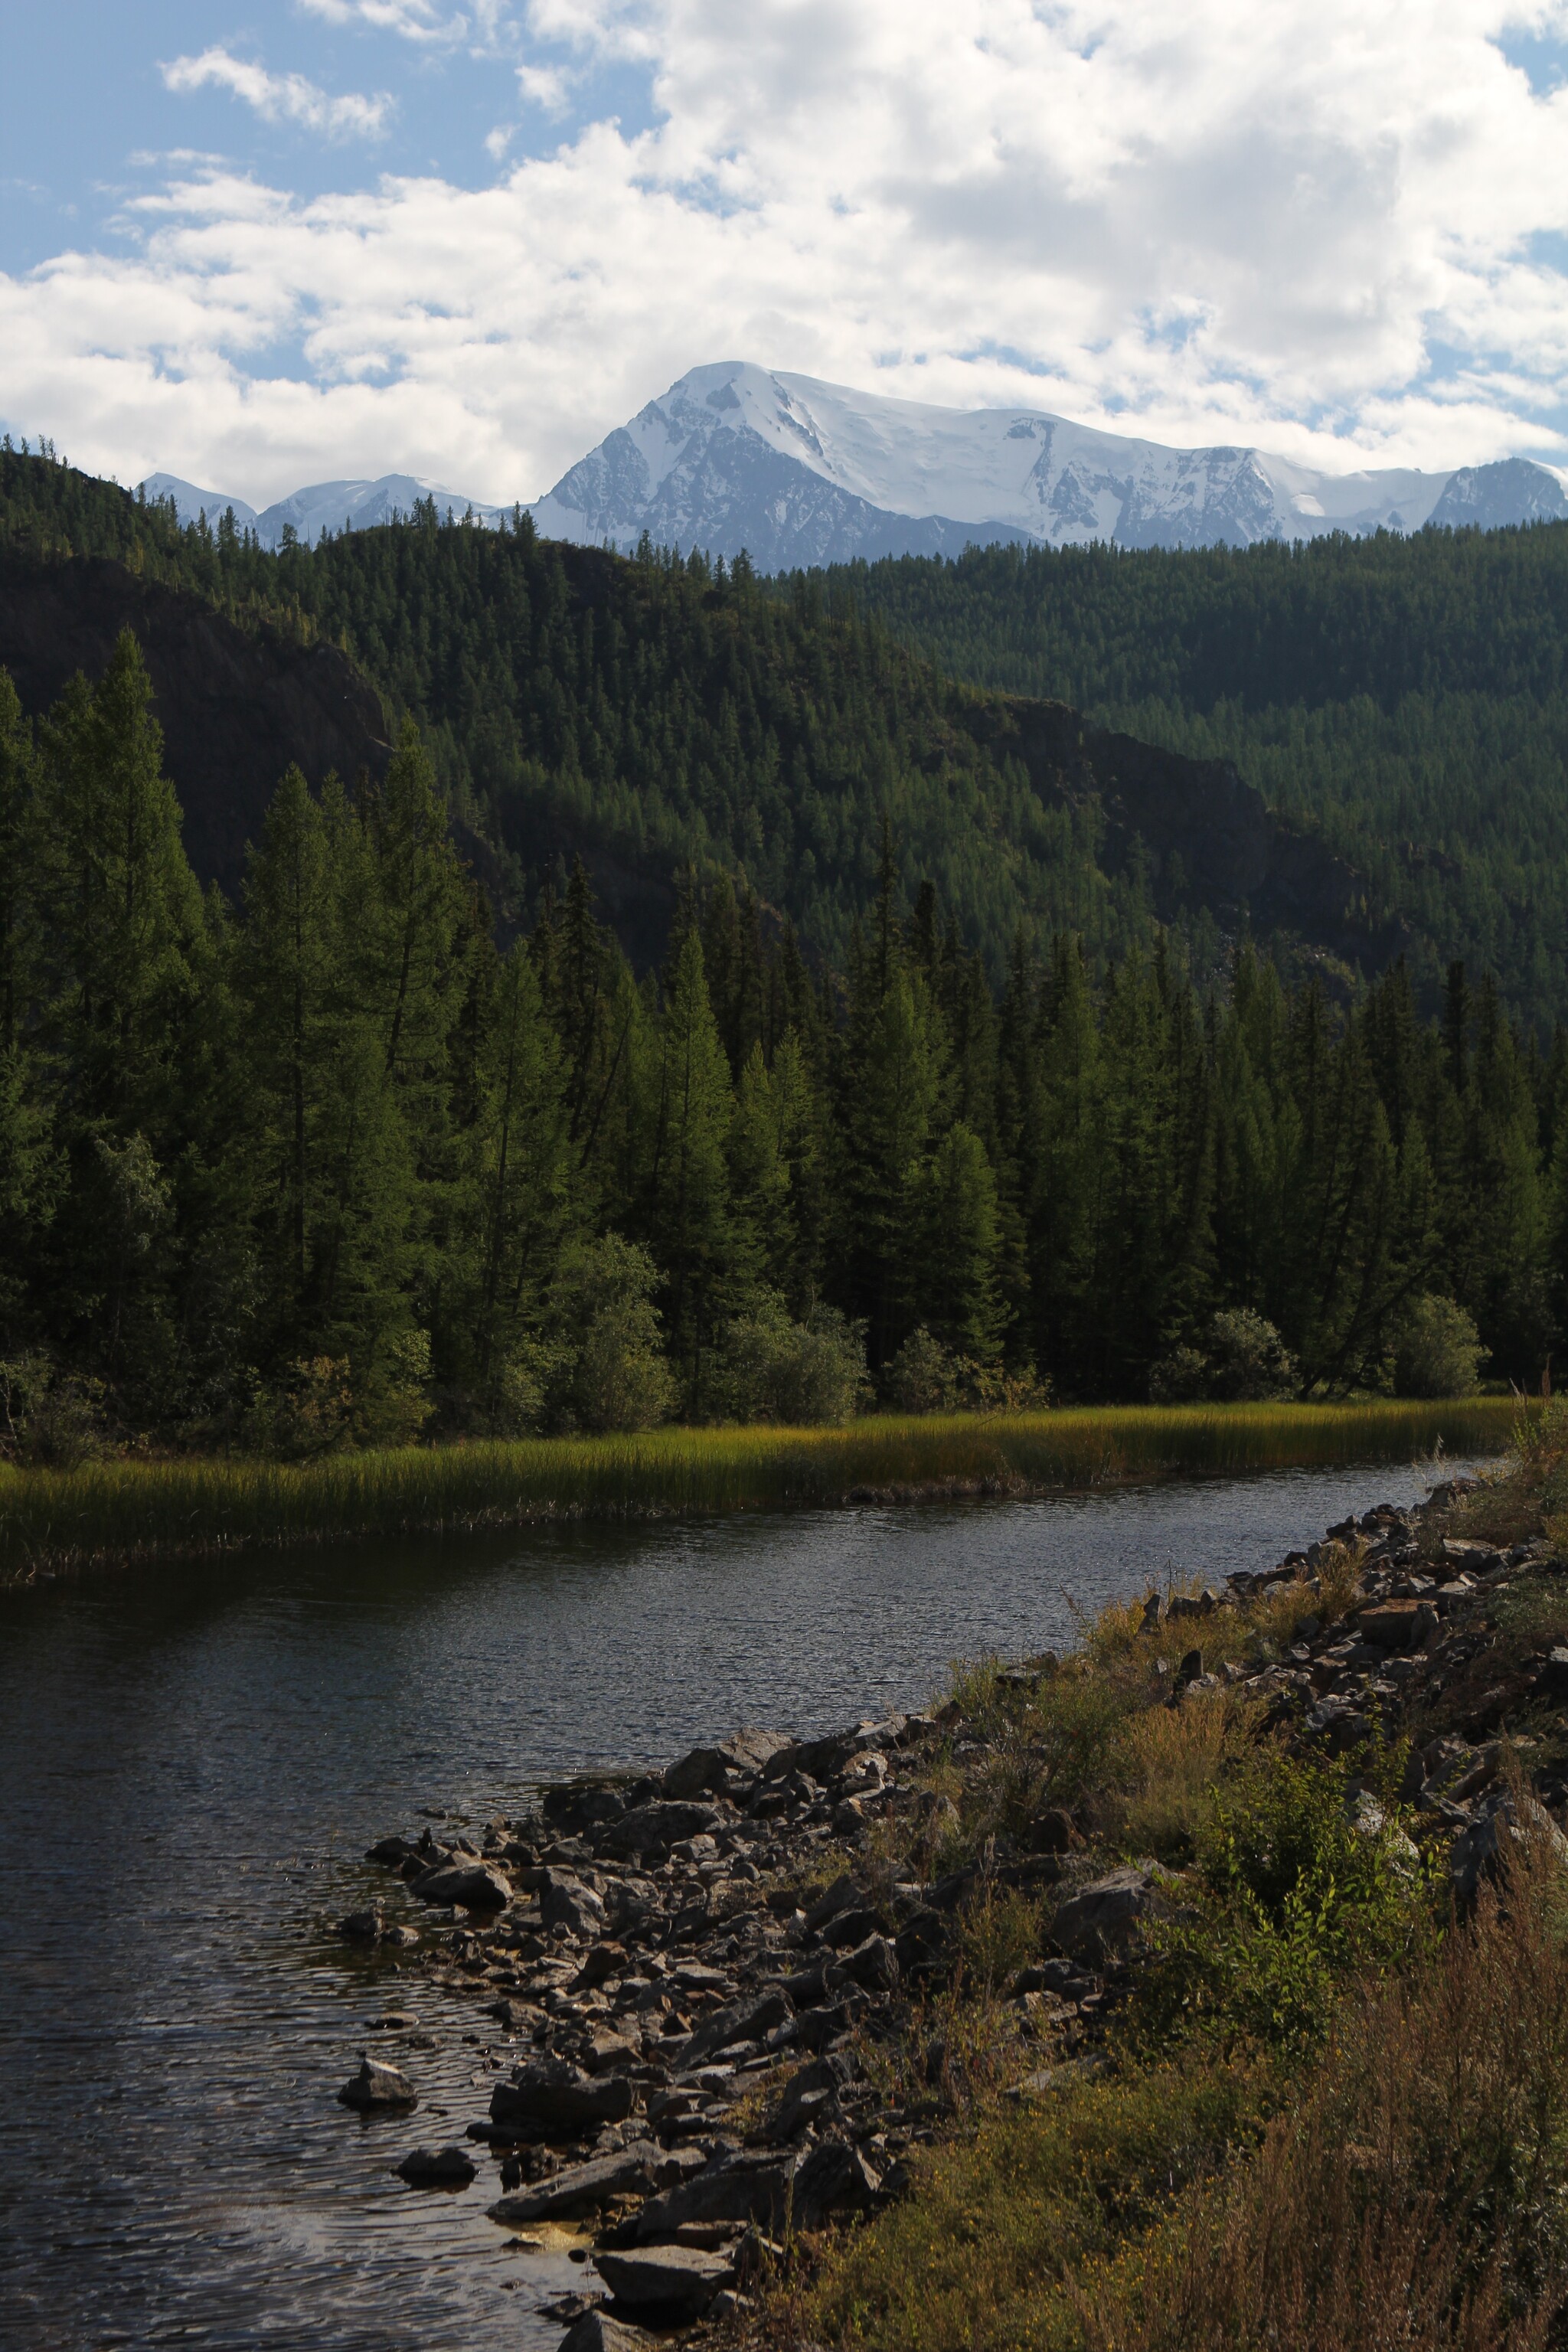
[[902, 1111], [333, 1163]]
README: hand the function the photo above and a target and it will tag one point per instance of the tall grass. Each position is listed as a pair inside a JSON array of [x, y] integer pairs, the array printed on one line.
[[128, 1509]]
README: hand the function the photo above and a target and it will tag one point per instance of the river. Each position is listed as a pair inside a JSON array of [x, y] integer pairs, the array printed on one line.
[[194, 1757]]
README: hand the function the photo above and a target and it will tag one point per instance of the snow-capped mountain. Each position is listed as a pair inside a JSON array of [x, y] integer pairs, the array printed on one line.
[[796, 472], [325, 506]]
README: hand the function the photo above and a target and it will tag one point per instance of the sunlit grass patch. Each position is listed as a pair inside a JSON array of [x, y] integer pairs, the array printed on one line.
[[124, 1509]]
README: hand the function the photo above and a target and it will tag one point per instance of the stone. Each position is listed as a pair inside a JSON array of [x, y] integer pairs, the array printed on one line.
[[848, 1928], [470, 1886], [737, 2185], [596, 2332], [664, 2278], [873, 1965], [1053, 1833], [834, 2178], [808, 2091], [655, 1827], [432, 2168], [361, 1928], [1104, 1916], [841, 1896], [376, 2085], [610, 2053], [580, 1805], [1477, 1851], [558, 2096], [922, 1943], [565, 1901], [702, 1769], [581, 2189], [740, 2021], [1396, 1624], [391, 1851]]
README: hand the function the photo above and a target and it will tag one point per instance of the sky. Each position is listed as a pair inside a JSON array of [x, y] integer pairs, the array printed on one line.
[[308, 239]]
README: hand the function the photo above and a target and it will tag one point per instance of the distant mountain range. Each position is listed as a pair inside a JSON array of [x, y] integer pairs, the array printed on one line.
[[799, 472]]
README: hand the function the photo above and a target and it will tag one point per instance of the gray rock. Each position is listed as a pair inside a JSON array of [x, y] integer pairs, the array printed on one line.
[[653, 1828], [431, 2168], [1477, 1851], [747, 1754], [565, 1901], [666, 2278], [873, 1965], [739, 2185], [1104, 1916], [833, 2179], [809, 2091], [841, 1896], [361, 1928], [559, 2096], [740, 2020], [474, 1886], [581, 2189], [596, 2332], [376, 2085]]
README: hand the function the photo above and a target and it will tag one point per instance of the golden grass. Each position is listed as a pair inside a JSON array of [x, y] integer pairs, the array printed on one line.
[[128, 1509]]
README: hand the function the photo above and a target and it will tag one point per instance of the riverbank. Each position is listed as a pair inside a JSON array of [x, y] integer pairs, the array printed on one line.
[[127, 1510], [1203, 1978]]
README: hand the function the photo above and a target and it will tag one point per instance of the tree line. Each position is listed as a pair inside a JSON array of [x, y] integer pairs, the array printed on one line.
[[332, 1165]]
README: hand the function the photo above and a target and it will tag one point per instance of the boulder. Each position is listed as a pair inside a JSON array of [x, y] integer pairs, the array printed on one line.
[[737, 2185], [567, 1901], [581, 2189], [433, 2168], [873, 1965], [1104, 1916], [655, 1827], [361, 1928], [1503, 1823], [841, 1896], [376, 2085], [472, 1886], [596, 2332], [923, 1944], [808, 2091], [835, 2178], [555, 2096], [664, 2278], [739, 2021], [580, 1805], [1396, 1624], [702, 1769]]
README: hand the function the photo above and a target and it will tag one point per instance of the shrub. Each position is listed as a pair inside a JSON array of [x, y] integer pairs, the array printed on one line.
[[307, 1412], [1437, 1351], [1244, 1362], [1418, 2196], [773, 1369], [610, 1372], [1295, 1891], [925, 1377], [48, 1419]]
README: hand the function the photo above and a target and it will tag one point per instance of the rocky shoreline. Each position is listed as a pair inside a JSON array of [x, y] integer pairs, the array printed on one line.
[[707, 1992]]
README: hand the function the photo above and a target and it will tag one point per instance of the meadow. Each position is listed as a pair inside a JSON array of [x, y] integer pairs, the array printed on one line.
[[130, 1509]]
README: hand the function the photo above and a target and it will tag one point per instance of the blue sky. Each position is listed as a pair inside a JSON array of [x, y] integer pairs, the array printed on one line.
[[320, 237]]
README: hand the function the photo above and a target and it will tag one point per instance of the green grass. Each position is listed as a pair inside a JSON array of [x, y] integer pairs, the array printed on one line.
[[120, 1509]]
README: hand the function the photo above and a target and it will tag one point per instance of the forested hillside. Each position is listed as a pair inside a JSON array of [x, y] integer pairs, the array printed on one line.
[[334, 1165], [656, 717], [1406, 697]]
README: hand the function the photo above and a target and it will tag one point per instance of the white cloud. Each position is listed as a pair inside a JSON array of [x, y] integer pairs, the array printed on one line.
[[280, 97], [1304, 226], [415, 20]]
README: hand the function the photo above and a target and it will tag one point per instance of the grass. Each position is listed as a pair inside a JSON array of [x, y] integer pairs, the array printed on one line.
[[129, 1510]]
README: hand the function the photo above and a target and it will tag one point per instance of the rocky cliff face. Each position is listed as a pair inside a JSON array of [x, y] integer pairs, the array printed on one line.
[[1210, 838], [235, 708]]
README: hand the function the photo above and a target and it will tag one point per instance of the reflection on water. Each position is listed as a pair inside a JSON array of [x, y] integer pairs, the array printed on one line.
[[194, 1758]]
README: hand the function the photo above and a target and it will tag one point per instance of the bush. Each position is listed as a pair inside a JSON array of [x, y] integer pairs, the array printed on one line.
[[608, 1367], [1296, 1890], [773, 1369], [1244, 1362], [48, 1419], [1437, 1351], [926, 1377]]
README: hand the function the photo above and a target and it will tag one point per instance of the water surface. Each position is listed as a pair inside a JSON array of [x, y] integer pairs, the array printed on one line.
[[194, 1757]]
